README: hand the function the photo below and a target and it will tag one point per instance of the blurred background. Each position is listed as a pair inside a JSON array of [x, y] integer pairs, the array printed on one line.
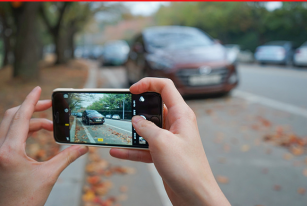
[[241, 67]]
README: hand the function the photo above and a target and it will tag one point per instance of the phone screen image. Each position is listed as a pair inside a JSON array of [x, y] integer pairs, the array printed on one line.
[[103, 118]]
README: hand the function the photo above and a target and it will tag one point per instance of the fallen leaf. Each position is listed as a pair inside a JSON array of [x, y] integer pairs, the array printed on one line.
[[287, 156], [123, 188], [245, 148], [88, 196], [222, 179], [301, 191], [297, 150], [305, 172], [277, 187]]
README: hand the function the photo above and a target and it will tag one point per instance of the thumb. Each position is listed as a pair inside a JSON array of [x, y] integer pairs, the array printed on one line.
[[59, 162], [146, 129]]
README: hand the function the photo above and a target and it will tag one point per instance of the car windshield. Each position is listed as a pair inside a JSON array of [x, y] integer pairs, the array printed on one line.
[[94, 112], [175, 40]]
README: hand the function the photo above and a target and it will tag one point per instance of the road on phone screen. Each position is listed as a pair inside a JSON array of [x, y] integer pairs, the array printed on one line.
[[111, 132], [238, 131]]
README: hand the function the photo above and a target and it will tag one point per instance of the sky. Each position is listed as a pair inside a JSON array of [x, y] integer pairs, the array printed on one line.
[[89, 101], [149, 8], [144, 8]]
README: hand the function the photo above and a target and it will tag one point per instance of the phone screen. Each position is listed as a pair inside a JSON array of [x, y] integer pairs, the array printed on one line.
[[103, 118]]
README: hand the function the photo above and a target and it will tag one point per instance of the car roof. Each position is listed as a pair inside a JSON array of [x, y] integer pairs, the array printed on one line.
[[175, 29]]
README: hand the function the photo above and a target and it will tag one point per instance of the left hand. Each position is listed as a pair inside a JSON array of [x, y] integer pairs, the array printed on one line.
[[24, 181]]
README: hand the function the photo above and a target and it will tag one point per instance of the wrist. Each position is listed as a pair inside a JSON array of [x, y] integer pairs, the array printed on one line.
[[210, 194]]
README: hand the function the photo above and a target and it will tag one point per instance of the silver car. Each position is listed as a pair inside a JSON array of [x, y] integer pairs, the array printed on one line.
[[300, 56], [115, 116], [279, 52]]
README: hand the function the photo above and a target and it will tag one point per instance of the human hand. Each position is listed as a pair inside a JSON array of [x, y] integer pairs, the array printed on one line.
[[176, 151], [24, 181]]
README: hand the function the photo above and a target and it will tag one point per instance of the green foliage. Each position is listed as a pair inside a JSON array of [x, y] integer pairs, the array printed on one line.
[[246, 23], [112, 102]]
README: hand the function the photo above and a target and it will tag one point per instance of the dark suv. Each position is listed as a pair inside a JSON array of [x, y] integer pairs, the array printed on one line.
[[92, 117]]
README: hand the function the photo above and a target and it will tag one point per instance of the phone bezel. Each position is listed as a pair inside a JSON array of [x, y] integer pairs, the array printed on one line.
[[100, 90]]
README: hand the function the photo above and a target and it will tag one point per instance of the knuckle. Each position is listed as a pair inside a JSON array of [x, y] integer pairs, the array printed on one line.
[[5, 158], [169, 82], [9, 112], [189, 114]]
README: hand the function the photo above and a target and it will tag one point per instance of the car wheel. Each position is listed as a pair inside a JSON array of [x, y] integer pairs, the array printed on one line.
[[87, 122], [262, 63]]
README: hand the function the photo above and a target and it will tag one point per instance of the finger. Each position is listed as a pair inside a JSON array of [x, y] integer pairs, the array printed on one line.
[[146, 129], [133, 155], [163, 86], [40, 123], [19, 127], [9, 114], [58, 163]]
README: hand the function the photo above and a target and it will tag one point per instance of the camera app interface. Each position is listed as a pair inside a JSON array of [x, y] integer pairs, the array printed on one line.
[[100, 118]]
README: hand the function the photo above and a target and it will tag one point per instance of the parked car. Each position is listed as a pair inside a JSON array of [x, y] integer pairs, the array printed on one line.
[[300, 56], [245, 56], [79, 114], [194, 61], [232, 51], [115, 53], [115, 116], [108, 116], [92, 117], [280, 52]]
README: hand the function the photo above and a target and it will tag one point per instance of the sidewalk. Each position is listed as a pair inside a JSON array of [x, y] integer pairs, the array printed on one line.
[[68, 189]]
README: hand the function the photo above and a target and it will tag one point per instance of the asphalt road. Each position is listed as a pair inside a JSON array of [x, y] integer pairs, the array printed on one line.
[[284, 84], [249, 170], [111, 132]]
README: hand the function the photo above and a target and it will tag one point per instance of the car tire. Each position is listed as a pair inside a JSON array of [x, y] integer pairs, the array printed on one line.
[[88, 122]]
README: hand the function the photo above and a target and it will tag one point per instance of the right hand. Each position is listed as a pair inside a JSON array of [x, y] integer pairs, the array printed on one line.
[[176, 151]]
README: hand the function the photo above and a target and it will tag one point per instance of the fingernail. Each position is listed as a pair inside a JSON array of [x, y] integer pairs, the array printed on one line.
[[82, 150], [35, 89], [136, 119]]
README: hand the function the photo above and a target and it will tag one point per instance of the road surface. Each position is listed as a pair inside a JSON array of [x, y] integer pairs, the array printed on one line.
[[249, 170], [115, 132]]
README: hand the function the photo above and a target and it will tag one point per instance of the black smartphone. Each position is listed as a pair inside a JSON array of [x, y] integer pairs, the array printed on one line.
[[102, 117]]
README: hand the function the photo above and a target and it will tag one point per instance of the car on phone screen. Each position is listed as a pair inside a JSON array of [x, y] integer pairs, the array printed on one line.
[[116, 116], [195, 62], [79, 114], [92, 117], [108, 116], [278, 52]]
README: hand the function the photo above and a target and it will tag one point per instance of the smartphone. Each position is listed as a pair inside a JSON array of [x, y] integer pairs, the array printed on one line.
[[102, 117]]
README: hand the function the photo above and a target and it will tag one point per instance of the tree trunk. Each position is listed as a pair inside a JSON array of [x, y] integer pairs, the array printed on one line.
[[59, 48], [71, 43], [26, 47]]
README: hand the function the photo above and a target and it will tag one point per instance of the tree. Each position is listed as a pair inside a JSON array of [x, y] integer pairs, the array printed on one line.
[[53, 21], [6, 31], [26, 51]]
